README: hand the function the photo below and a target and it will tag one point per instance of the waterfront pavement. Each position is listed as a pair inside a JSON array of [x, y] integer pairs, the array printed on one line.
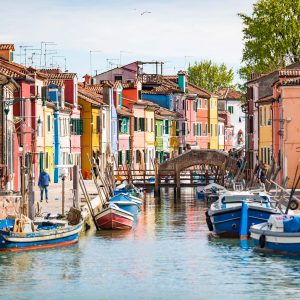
[[54, 204]]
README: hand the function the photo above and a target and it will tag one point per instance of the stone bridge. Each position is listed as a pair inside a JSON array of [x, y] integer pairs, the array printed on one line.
[[212, 162]]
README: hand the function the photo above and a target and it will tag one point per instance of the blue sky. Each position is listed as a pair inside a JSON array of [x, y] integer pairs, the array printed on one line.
[[176, 32]]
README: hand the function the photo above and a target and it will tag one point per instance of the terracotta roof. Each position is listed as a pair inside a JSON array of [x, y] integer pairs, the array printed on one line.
[[291, 81], [89, 95], [194, 89], [229, 94], [10, 73], [147, 103], [128, 85], [96, 88], [163, 112], [124, 112], [7, 47], [289, 72], [166, 87], [64, 76], [50, 71], [13, 69], [57, 82]]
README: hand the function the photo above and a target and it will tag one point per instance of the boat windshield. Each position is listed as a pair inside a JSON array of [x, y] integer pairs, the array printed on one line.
[[241, 198]]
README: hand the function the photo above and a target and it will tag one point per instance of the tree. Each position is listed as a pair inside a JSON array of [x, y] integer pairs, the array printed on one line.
[[271, 36], [210, 76]]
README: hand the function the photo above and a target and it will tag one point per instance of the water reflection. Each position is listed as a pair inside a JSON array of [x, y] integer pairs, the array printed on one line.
[[168, 254]]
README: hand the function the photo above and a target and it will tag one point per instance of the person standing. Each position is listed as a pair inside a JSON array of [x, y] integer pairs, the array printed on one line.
[[44, 180]]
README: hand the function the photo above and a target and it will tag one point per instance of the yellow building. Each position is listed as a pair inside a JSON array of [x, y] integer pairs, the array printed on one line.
[[90, 103], [213, 122], [48, 140], [265, 130]]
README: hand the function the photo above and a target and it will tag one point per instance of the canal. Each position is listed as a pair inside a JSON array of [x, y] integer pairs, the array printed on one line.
[[168, 255]]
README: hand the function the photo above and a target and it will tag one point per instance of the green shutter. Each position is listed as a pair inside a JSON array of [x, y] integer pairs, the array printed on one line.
[[41, 161], [127, 156], [120, 158], [135, 123]]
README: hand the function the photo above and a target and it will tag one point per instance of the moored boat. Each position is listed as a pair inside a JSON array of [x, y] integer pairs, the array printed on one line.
[[18, 235], [113, 217], [280, 234], [236, 211]]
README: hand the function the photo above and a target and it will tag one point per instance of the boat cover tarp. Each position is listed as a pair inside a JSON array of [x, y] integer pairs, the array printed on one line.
[[292, 224]]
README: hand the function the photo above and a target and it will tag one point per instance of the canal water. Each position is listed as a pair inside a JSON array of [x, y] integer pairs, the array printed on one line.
[[168, 255]]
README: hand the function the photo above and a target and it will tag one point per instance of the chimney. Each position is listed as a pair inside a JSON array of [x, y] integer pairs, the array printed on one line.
[[182, 80], [7, 51], [87, 79]]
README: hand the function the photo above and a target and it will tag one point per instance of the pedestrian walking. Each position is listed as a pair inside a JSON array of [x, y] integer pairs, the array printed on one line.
[[44, 180]]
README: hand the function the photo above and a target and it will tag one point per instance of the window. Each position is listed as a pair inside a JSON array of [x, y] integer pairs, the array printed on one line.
[[187, 105], [120, 158], [152, 125], [230, 109], [135, 124], [265, 155], [269, 156], [200, 103], [183, 104], [146, 124], [77, 126], [195, 103], [177, 128], [194, 129], [118, 78], [205, 103], [103, 118], [200, 129], [142, 124], [206, 129], [166, 127], [48, 123], [265, 115], [260, 116], [47, 160], [127, 157], [98, 124], [216, 129], [138, 156]]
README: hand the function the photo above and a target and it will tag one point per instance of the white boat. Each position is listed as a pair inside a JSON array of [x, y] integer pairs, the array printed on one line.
[[280, 234]]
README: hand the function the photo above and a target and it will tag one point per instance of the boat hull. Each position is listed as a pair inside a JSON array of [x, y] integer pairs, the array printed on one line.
[[129, 206], [226, 222], [281, 242], [112, 218], [10, 241]]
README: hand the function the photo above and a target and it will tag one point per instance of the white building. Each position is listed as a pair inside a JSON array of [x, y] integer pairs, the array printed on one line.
[[232, 102]]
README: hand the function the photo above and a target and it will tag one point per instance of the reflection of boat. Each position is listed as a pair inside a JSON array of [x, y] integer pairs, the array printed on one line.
[[113, 217], [280, 234], [23, 234], [225, 216]]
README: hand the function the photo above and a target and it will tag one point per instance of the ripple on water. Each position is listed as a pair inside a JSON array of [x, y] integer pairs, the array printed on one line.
[[169, 254]]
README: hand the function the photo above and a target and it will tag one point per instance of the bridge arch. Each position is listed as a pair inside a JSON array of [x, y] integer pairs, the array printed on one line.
[[172, 168]]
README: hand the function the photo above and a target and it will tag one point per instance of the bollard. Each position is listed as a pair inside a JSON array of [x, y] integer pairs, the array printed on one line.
[[244, 222]]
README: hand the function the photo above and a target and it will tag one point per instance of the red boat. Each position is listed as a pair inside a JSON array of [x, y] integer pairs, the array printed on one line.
[[114, 217]]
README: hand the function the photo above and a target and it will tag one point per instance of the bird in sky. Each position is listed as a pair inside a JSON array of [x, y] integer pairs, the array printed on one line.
[[145, 12]]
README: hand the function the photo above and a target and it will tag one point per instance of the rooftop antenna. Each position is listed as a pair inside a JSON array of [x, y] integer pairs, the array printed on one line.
[[185, 60], [58, 56], [46, 51], [109, 62], [25, 52], [92, 51], [121, 52]]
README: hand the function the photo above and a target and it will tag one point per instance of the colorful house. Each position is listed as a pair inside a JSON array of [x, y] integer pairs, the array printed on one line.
[[213, 122], [230, 100], [202, 120], [265, 129], [90, 103]]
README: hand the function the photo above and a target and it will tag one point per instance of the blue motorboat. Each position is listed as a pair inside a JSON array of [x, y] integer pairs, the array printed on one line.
[[234, 212], [125, 202], [280, 234]]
